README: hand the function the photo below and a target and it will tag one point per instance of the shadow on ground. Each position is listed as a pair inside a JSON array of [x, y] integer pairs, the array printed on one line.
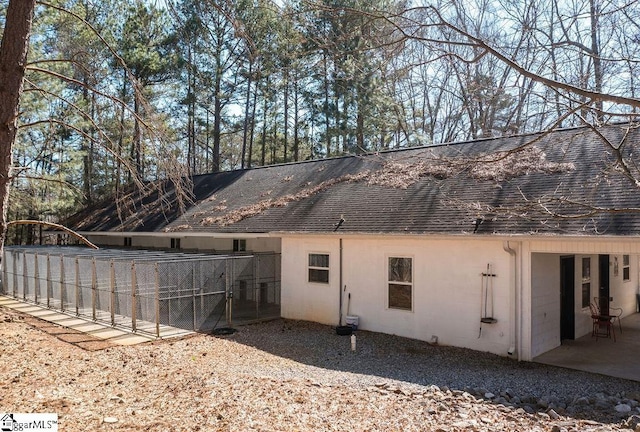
[[529, 386]]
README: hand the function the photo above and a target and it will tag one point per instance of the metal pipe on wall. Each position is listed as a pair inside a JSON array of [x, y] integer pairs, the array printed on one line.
[[340, 284]]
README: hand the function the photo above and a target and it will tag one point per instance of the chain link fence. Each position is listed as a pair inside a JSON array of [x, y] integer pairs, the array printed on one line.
[[146, 291]]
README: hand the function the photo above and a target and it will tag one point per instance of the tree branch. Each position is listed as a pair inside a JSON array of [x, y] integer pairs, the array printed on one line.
[[54, 225]]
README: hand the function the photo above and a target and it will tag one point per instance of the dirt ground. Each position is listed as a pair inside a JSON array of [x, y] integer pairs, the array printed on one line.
[[208, 383]]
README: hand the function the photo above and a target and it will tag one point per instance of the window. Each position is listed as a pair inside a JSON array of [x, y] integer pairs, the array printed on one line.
[[626, 268], [400, 283], [127, 241], [319, 268], [586, 282], [175, 243], [239, 245]]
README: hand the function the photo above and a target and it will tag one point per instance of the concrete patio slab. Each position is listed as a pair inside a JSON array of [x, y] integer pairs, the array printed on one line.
[[619, 358]]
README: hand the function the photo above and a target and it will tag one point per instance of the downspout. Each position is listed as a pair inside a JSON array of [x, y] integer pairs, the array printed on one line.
[[514, 313], [340, 286]]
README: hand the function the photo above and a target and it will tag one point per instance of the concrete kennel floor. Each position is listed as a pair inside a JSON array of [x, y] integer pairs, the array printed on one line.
[[97, 329]]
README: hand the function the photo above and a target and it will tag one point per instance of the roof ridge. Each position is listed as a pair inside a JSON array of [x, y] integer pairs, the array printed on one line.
[[404, 149]]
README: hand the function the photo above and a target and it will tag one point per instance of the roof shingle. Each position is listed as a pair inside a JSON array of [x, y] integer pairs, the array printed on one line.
[[577, 173]]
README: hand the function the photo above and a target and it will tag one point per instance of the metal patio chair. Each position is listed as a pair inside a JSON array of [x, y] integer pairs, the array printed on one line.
[[614, 312], [602, 324]]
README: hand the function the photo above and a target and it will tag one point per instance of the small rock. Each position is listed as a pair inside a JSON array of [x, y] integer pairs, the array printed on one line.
[[553, 414], [528, 409], [602, 404], [110, 420], [623, 408], [582, 401], [489, 395]]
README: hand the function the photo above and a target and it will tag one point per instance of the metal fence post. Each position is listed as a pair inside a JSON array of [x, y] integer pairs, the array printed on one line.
[[77, 286], [94, 287], [134, 285], [193, 294], [63, 286], [36, 276], [157, 301], [229, 282], [5, 274], [112, 300], [256, 285], [15, 276], [25, 276], [49, 287]]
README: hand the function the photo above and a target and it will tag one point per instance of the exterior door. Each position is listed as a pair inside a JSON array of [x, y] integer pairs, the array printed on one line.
[[567, 297], [603, 283]]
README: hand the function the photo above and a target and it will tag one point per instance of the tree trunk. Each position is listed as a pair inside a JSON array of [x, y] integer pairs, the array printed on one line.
[[285, 122], [327, 125], [191, 112], [217, 124], [252, 125], [597, 61], [86, 147], [296, 119], [136, 146], [246, 124], [13, 58]]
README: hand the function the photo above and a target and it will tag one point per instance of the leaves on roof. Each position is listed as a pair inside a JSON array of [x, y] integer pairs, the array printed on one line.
[[497, 167], [259, 207]]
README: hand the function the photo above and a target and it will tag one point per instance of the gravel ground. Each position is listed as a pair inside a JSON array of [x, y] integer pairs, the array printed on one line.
[[289, 375]]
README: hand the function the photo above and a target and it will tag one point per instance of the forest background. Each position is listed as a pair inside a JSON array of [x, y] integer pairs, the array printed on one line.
[[118, 93]]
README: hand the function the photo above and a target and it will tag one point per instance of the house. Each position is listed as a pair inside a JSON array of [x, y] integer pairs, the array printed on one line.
[[497, 245], [6, 422]]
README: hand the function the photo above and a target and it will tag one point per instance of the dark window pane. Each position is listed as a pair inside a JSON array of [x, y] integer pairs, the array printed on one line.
[[319, 260], [625, 260], [626, 274], [400, 296], [586, 268], [316, 275], [239, 245], [586, 294], [400, 269]]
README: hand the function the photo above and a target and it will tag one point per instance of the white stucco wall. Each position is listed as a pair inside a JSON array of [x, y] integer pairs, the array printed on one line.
[[189, 242], [545, 303], [446, 293], [624, 292]]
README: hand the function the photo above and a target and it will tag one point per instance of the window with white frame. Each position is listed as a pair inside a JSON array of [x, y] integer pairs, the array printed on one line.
[[586, 282], [319, 268], [400, 283], [626, 268]]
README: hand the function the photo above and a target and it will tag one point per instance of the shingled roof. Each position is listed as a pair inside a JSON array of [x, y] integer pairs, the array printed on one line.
[[558, 183]]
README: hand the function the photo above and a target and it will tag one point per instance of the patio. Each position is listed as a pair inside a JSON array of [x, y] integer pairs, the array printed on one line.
[[604, 356]]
